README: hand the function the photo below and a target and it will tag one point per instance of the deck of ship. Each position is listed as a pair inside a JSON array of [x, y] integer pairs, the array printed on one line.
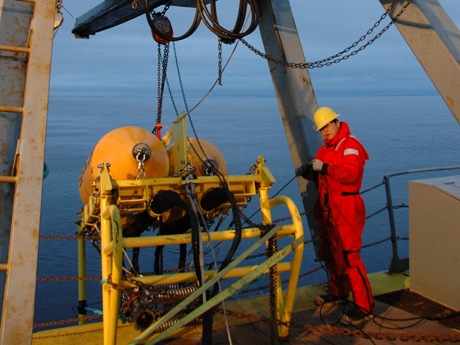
[[398, 320]]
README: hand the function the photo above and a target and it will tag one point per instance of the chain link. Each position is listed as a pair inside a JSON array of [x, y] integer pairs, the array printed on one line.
[[58, 237], [272, 248], [140, 172], [166, 8], [65, 279], [373, 187], [65, 322], [339, 57], [134, 4]]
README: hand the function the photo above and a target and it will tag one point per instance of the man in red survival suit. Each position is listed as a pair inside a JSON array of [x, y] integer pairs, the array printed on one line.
[[341, 214]]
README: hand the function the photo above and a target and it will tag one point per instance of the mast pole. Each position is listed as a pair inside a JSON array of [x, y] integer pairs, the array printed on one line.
[[294, 91], [435, 41]]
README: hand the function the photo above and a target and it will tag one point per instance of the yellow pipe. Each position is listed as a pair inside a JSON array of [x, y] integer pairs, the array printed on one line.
[[8, 179], [14, 49], [110, 328], [112, 214], [164, 240], [242, 186], [188, 277], [105, 240]]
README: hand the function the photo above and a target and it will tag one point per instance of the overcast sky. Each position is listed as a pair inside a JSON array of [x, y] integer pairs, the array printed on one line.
[[125, 57]]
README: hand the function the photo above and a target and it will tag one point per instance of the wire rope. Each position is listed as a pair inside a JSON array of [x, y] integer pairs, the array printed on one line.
[[211, 21]]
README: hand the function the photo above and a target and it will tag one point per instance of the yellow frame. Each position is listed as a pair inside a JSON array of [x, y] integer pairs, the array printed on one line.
[[115, 198]]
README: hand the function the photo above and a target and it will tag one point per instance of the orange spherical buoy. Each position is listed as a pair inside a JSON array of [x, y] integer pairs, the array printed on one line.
[[123, 148], [204, 156]]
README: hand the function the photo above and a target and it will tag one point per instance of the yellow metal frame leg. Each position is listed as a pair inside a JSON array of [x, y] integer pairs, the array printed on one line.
[[111, 229]]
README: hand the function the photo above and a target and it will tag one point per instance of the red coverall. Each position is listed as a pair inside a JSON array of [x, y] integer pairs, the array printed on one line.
[[341, 215]]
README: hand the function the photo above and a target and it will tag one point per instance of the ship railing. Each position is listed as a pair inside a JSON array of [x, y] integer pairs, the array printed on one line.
[[397, 264]]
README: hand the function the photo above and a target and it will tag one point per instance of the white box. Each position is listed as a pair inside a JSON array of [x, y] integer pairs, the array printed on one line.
[[434, 239]]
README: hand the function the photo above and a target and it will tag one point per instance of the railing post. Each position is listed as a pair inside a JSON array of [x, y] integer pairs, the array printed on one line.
[[397, 265], [81, 276]]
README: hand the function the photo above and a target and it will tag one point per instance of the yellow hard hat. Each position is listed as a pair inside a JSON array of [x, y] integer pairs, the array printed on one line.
[[323, 116]]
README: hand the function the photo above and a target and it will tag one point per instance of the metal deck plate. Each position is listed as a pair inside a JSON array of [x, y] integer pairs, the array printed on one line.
[[421, 306]]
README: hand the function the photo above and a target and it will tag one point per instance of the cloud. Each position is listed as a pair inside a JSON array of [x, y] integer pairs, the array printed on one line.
[[126, 56]]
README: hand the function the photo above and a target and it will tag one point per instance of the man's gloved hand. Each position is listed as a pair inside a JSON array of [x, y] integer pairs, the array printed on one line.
[[303, 170], [317, 165]]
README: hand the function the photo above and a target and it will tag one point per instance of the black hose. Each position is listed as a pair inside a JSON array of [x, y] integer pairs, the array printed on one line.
[[142, 222], [160, 203], [238, 234], [216, 197]]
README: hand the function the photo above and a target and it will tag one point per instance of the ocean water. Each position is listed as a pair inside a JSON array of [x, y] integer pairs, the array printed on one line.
[[400, 133]]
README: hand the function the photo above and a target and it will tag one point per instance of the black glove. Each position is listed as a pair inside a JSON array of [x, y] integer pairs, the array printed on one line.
[[303, 170]]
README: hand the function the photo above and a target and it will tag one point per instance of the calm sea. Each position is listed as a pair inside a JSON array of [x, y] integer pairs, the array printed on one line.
[[400, 133]]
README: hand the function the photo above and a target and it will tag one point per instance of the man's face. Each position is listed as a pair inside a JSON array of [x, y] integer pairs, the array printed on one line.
[[330, 130]]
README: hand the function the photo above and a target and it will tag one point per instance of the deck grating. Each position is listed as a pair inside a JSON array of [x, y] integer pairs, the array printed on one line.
[[421, 306]]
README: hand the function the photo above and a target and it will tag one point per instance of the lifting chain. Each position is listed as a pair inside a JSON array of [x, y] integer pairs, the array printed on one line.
[[135, 3], [339, 57], [180, 84], [219, 57], [272, 248], [162, 75], [140, 173]]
